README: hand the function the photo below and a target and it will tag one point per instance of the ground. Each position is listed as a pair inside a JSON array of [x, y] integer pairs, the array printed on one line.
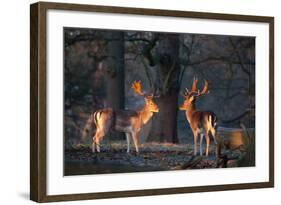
[[113, 158]]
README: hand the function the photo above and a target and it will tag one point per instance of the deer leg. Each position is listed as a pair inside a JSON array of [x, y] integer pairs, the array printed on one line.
[[207, 143], [94, 144], [135, 138], [195, 142], [201, 147], [98, 138], [213, 133], [95, 140], [128, 142], [98, 144]]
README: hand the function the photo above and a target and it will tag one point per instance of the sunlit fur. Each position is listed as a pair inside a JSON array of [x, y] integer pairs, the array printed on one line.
[[201, 122], [127, 121]]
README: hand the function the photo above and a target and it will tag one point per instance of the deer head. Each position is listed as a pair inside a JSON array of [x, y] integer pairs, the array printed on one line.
[[191, 96], [152, 107]]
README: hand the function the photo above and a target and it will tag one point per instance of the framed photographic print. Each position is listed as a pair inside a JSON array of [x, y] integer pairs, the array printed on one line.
[[134, 102]]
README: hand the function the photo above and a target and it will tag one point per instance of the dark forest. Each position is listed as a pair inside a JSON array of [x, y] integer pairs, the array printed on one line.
[[100, 67]]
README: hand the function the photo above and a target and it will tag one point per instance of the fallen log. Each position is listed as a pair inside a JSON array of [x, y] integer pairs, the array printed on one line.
[[192, 162], [234, 138], [231, 139]]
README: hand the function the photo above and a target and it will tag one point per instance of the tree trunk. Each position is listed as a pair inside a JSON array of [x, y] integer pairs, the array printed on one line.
[[164, 123], [115, 74]]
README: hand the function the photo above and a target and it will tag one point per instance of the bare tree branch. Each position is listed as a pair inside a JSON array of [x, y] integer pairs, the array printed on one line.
[[244, 114], [239, 57], [189, 50], [220, 59]]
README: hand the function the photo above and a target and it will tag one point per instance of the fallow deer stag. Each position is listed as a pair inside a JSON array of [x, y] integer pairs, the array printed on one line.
[[201, 122], [127, 121]]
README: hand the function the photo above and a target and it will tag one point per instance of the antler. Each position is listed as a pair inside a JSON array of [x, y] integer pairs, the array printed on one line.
[[188, 93], [193, 91], [136, 86], [193, 88], [204, 90]]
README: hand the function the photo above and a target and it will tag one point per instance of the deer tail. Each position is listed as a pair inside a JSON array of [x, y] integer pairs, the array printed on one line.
[[96, 117], [213, 119]]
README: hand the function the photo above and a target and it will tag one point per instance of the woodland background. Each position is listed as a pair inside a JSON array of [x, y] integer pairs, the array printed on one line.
[[100, 66]]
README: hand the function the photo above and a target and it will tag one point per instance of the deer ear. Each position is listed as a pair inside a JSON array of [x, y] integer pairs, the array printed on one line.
[[191, 98]]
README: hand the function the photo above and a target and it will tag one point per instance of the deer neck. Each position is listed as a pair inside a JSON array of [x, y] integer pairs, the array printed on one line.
[[190, 110], [145, 114]]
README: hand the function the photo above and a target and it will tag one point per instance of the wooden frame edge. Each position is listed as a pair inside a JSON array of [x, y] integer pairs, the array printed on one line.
[[37, 102], [155, 192], [38, 112], [271, 101], [34, 171], [155, 12]]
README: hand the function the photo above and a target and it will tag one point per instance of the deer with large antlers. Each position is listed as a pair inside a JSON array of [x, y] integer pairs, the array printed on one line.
[[127, 121], [201, 122]]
